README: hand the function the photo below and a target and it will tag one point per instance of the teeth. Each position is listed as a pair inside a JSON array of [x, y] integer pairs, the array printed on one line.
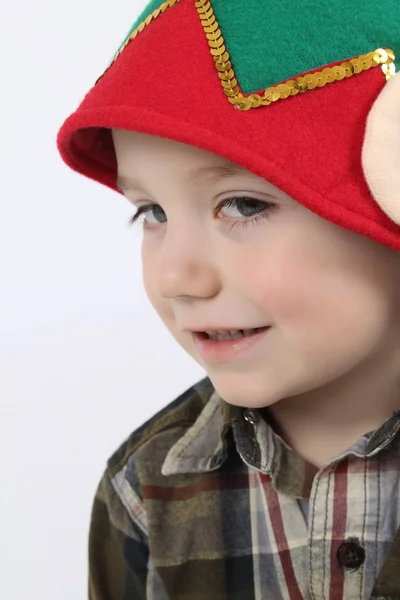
[[229, 335]]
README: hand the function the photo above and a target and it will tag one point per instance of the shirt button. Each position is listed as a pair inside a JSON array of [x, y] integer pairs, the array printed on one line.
[[251, 416], [351, 555]]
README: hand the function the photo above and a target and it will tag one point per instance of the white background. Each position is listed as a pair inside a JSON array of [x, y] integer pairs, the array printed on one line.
[[84, 359]]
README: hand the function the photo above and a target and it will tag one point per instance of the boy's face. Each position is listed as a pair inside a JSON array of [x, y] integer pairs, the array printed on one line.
[[330, 296]]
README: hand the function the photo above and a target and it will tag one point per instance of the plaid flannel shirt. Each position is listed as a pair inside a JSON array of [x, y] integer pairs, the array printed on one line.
[[206, 502]]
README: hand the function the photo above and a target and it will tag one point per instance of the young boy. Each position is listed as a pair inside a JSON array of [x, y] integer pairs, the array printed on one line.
[[260, 144]]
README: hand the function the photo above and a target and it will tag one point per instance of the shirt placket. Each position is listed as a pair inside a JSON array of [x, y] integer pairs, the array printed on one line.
[[337, 525]]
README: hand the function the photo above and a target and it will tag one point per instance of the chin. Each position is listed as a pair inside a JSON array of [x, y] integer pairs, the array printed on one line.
[[245, 392]]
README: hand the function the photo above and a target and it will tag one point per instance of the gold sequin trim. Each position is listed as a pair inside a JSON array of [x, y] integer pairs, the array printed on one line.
[[156, 13], [310, 81], [226, 74]]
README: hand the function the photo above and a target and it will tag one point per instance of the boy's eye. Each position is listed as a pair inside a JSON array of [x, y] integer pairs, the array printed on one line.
[[155, 211], [246, 208]]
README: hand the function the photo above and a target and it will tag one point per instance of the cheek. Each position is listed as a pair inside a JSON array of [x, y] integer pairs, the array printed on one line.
[[148, 271], [289, 282], [309, 292], [161, 306], [325, 301]]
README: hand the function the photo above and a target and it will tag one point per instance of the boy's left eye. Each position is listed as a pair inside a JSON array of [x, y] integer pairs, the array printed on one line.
[[248, 206], [250, 210]]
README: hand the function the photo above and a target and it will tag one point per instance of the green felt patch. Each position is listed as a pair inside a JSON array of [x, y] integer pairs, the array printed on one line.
[[270, 41]]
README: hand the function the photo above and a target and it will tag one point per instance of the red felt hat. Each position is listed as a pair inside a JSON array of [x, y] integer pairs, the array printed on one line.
[[176, 76]]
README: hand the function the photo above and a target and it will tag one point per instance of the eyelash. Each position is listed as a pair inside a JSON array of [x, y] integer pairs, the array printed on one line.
[[228, 202]]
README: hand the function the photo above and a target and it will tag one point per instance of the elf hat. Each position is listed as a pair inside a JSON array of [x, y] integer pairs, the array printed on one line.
[[299, 92]]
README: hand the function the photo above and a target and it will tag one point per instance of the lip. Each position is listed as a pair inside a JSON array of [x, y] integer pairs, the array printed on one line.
[[226, 350], [218, 328]]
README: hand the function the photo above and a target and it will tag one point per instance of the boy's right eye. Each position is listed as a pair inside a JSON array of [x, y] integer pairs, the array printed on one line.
[[144, 210]]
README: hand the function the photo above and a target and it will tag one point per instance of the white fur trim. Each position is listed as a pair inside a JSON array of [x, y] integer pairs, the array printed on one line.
[[381, 150]]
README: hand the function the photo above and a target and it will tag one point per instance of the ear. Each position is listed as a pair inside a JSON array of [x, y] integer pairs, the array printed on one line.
[[381, 149]]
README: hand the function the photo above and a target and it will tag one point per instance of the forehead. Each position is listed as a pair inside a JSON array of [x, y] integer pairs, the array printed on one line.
[[142, 145], [202, 175], [138, 154]]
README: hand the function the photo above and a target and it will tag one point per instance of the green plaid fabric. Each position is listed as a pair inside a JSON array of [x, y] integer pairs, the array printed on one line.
[[206, 502]]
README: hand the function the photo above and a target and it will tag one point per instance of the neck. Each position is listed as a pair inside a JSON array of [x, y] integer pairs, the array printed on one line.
[[322, 423]]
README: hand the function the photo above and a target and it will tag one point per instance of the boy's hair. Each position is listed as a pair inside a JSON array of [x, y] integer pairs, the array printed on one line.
[[298, 94]]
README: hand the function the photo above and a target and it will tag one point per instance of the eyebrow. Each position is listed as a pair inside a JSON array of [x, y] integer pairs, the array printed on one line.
[[202, 175]]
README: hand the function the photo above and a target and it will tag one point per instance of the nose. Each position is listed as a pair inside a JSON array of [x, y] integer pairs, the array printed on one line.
[[186, 267]]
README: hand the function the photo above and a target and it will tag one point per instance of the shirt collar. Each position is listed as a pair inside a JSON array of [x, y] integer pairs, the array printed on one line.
[[384, 436], [205, 446]]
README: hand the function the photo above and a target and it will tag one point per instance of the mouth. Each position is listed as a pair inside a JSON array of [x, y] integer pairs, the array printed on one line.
[[229, 345], [228, 334]]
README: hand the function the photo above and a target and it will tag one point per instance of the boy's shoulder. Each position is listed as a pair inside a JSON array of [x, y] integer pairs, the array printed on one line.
[[143, 474], [151, 442]]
